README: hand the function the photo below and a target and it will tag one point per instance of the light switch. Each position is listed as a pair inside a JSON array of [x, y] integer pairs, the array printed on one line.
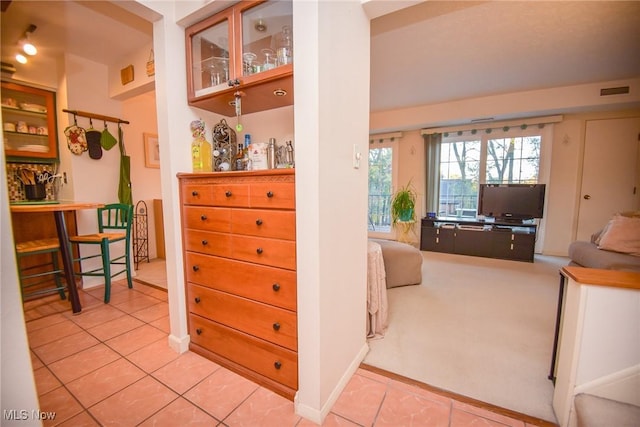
[[356, 156]]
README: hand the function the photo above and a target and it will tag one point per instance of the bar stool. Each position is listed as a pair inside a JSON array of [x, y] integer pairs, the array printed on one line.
[[36, 276]]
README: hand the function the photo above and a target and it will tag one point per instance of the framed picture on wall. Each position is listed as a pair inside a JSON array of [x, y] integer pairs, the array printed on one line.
[[151, 150]]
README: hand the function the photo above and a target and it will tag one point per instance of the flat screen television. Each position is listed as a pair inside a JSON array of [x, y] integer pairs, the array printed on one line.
[[515, 202]]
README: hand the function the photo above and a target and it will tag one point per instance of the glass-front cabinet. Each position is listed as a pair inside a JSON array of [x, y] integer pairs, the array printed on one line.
[[29, 123], [244, 51]]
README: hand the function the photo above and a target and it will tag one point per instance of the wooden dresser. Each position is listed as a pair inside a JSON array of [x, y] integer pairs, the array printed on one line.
[[239, 240]]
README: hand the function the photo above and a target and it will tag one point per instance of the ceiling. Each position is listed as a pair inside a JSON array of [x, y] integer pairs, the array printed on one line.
[[477, 48]]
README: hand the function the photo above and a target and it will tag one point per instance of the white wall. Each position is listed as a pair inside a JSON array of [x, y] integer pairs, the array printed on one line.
[[331, 103], [141, 112], [567, 146], [16, 373]]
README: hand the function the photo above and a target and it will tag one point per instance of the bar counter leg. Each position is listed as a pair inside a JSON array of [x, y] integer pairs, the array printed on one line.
[[67, 261]]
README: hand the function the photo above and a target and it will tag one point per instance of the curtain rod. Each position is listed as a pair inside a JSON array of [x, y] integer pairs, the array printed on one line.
[[95, 116], [482, 125]]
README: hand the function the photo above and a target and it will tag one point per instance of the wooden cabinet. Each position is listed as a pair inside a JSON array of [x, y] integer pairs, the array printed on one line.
[[29, 123], [239, 240], [247, 50]]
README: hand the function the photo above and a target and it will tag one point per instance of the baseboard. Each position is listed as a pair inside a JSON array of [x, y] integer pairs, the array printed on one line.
[[180, 345], [622, 386], [317, 415]]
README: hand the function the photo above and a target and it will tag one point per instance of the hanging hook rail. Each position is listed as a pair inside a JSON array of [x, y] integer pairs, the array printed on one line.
[[95, 116]]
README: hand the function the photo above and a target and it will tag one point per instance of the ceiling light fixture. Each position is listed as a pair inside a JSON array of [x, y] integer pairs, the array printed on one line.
[[21, 58], [28, 47]]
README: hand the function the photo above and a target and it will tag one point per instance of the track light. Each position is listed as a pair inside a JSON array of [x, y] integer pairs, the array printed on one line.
[[27, 47]]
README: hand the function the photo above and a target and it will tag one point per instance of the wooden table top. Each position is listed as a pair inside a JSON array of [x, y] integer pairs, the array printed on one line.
[[62, 205], [611, 278]]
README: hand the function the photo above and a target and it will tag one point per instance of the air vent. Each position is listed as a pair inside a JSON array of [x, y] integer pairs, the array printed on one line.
[[614, 91]]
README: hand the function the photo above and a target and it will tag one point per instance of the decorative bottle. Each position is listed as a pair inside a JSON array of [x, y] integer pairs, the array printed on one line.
[[200, 148]]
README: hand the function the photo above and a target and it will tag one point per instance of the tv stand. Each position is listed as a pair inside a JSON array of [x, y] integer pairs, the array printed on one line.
[[504, 239]]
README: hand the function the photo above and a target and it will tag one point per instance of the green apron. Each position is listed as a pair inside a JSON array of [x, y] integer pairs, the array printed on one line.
[[124, 187]]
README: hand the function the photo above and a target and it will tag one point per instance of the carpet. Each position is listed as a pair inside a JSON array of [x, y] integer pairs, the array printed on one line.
[[479, 327]]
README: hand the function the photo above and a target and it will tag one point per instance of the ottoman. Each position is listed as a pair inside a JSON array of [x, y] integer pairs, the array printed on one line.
[[402, 263]]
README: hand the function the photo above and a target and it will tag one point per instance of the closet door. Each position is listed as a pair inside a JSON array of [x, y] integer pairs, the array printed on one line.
[[610, 173]]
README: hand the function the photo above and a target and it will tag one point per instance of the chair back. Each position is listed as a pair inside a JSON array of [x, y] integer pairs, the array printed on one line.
[[115, 216]]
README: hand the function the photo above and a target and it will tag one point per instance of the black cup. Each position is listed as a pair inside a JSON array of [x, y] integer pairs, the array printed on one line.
[[35, 192]]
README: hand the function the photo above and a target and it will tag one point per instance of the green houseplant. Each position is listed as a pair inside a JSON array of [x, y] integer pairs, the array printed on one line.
[[403, 203]]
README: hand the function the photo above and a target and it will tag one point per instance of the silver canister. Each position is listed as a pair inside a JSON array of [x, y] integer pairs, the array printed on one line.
[[271, 153]]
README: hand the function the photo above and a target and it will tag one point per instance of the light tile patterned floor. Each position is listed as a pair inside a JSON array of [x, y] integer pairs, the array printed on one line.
[[111, 366]]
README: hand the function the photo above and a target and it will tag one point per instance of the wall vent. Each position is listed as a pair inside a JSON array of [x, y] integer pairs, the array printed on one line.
[[614, 91]]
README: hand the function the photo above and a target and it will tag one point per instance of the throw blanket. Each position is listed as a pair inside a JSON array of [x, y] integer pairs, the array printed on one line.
[[376, 292]]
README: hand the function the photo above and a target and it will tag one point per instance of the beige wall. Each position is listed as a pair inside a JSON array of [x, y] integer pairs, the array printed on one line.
[[567, 148]]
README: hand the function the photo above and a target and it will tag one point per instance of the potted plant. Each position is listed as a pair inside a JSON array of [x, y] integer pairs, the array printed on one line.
[[403, 204]]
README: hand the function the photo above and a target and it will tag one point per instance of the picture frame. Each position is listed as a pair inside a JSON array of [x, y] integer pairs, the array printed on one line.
[[151, 150]]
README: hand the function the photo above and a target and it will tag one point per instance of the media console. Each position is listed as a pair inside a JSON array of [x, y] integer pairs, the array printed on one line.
[[491, 239]]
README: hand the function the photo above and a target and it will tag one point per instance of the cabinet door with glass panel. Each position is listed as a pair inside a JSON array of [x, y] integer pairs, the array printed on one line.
[[29, 123], [244, 51]]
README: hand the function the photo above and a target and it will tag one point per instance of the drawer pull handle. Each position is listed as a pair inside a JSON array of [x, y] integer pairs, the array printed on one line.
[[205, 243], [194, 193], [203, 217], [258, 221], [259, 251], [197, 300], [195, 268], [276, 326], [276, 287], [269, 194], [277, 364], [199, 331], [228, 193]]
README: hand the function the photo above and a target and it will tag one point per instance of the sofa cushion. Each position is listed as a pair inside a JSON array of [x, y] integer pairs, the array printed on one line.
[[622, 234], [587, 254]]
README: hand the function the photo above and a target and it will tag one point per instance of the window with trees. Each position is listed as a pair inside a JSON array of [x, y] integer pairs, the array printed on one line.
[[381, 184], [468, 160]]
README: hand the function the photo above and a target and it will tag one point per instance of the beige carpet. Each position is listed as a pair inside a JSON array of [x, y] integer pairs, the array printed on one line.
[[479, 327]]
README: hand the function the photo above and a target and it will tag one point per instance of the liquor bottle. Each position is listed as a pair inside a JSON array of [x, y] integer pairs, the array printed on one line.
[[200, 148], [205, 155], [238, 161]]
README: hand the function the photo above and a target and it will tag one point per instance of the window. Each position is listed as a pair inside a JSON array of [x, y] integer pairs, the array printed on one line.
[[381, 184], [468, 160]]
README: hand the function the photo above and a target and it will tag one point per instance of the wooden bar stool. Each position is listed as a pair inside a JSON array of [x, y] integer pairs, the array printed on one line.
[[34, 278]]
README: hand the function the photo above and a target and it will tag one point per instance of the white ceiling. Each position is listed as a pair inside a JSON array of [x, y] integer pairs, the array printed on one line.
[[442, 50], [432, 52]]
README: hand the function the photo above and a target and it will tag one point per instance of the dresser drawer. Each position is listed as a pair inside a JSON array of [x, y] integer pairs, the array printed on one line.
[[264, 223], [230, 195], [262, 357], [273, 252], [206, 218], [264, 321], [270, 285], [197, 194], [207, 242], [273, 195]]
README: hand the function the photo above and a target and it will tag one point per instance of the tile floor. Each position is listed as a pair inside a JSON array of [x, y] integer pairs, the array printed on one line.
[[111, 365]]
